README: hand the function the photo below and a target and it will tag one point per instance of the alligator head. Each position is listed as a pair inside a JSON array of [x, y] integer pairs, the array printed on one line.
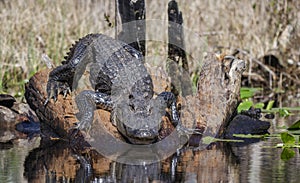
[[138, 125]]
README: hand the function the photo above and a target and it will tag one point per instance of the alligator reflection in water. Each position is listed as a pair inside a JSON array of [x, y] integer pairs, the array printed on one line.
[[60, 162]]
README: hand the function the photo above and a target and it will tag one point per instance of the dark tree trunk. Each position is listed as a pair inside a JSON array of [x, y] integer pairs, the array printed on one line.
[[176, 52], [132, 26]]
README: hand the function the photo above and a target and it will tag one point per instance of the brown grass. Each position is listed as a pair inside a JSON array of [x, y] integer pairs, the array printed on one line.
[[33, 27], [30, 28]]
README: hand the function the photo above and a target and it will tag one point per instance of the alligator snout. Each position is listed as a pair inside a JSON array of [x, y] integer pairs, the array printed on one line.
[[141, 136], [146, 133], [138, 123]]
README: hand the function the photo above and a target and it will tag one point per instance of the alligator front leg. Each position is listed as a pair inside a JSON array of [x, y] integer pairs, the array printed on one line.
[[59, 81], [170, 101], [87, 102]]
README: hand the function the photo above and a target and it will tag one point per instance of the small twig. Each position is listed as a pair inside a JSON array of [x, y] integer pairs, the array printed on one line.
[[259, 63], [280, 81], [254, 76], [212, 33], [250, 70], [48, 61], [291, 78]]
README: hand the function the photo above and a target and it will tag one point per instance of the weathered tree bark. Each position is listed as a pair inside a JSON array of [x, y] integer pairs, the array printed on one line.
[[218, 91], [176, 35]]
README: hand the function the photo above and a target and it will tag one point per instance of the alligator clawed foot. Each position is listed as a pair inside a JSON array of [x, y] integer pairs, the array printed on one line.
[[80, 126], [74, 128], [64, 89], [46, 101], [66, 92], [195, 131], [74, 132], [54, 88], [49, 98]]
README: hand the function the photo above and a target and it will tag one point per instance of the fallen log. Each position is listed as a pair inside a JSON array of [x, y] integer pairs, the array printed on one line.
[[208, 110]]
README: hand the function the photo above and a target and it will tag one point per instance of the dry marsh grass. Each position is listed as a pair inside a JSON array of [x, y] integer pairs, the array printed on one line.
[[30, 28], [33, 27]]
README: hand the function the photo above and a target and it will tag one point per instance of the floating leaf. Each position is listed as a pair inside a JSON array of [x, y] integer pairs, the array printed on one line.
[[244, 106], [295, 126], [287, 153], [295, 132], [288, 139]]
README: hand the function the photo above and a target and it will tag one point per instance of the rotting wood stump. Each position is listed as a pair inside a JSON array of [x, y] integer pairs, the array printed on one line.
[[208, 110]]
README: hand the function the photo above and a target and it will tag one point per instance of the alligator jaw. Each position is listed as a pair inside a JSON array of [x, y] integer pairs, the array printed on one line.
[[140, 136], [138, 127]]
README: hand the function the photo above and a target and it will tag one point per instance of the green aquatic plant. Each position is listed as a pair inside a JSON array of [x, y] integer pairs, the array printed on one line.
[[283, 112], [295, 126], [287, 153], [289, 141], [289, 138], [246, 94], [250, 136], [247, 104]]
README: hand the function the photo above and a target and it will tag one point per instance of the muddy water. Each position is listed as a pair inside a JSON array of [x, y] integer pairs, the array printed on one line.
[[12, 158]]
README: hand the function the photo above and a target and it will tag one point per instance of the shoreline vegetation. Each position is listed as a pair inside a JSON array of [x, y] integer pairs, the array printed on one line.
[[265, 34]]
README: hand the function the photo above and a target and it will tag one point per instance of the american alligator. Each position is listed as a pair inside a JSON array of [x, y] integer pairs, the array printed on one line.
[[121, 85]]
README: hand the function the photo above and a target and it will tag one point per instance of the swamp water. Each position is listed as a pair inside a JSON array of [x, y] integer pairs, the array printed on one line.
[[218, 163], [34, 161]]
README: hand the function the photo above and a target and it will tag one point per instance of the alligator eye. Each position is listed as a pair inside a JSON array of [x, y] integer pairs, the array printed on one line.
[[229, 57]]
